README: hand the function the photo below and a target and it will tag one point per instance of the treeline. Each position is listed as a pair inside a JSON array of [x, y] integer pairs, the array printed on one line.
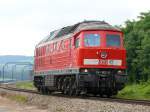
[[137, 43]]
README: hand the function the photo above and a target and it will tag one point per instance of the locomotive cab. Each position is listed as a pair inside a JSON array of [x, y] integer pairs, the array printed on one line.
[[101, 58], [100, 49]]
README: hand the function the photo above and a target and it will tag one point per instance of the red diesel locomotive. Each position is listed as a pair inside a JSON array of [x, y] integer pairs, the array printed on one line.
[[86, 57]]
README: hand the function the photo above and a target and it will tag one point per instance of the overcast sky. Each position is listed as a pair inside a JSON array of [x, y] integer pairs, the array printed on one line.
[[23, 23]]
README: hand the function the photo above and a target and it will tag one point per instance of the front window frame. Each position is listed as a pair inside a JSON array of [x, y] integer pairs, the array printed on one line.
[[88, 37], [113, 45]]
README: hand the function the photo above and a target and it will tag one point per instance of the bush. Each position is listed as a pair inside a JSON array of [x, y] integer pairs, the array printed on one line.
[[136, 91]]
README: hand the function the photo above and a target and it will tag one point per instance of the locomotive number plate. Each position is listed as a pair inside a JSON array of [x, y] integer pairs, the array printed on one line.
[[110, 62], [102, 62]]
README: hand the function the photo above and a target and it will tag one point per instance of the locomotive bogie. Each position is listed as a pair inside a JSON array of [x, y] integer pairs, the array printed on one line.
[[95, 81]]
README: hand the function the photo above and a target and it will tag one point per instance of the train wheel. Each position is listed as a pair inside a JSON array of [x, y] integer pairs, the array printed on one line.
[[77, 92], [59, 85], [108, 93], [41, 90], [65, 86], [95, 93], [46, 91], [38, 89], [71, 86], [101, 95]]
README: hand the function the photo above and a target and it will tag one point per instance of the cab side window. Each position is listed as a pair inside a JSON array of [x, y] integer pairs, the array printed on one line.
[[77, 43]]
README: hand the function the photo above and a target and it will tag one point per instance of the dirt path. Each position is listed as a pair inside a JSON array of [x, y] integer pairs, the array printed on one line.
[[7, 105]]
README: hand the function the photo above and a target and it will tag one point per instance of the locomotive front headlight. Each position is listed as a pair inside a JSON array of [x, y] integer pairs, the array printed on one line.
[[120, 72], [84, 70]]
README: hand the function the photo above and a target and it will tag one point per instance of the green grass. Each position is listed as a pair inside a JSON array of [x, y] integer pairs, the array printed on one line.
[[25, 85], [136, 91], [18, 98], [15, 97]]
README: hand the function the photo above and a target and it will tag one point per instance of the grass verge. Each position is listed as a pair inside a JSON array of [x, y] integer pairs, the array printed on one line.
[[25, 85], [15, 97], [18, 98], [136, 91]]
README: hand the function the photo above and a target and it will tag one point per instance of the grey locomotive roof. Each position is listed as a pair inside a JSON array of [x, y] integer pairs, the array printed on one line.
[[85, 25]]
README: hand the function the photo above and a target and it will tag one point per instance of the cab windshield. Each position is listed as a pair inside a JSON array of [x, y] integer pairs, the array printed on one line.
[[92, 40], [113, 40]]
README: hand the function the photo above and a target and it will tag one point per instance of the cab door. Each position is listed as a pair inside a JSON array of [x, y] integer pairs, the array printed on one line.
[[75, 51]]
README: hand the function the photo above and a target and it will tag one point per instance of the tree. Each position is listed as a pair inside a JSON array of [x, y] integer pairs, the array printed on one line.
[[137, 43]]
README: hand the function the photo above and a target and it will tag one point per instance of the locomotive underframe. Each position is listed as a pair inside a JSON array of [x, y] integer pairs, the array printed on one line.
[[96, 81]]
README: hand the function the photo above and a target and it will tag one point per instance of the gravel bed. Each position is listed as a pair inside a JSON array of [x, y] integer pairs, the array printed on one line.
[[62, 104]]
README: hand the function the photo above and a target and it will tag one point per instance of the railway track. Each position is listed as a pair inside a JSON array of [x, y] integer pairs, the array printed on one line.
[[18, 89], [87, 97]]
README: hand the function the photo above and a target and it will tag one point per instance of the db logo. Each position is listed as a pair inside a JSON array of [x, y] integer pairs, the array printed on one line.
[[103, 55]]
